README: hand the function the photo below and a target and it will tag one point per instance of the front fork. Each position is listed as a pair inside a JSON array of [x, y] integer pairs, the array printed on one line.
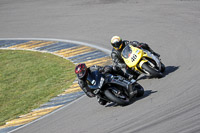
[[138, 68]]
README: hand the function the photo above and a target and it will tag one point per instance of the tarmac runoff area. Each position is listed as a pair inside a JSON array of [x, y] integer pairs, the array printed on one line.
[[76, 52]]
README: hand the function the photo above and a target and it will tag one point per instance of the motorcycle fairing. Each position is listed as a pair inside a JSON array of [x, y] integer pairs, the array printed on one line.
[[121, 83], [94, 79], [132, 55], [135, 57], [149, 55]]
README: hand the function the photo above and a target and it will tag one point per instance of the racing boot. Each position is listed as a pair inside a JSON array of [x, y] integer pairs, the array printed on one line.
[[101, 101], [132, 74]]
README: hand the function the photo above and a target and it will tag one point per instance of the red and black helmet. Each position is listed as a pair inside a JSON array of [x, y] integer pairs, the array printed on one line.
[[81, 70]]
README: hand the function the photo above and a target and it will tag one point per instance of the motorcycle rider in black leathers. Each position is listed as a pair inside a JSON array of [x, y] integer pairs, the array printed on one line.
[[83, 72], [118, 45]]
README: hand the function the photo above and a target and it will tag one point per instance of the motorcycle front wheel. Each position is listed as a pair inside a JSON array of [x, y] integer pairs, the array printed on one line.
[[151, 71], [116, 99], [162, 67]]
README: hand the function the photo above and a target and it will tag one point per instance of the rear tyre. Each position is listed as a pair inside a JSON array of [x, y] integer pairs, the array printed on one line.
[[112, 96], [140, 90], [152, 71]]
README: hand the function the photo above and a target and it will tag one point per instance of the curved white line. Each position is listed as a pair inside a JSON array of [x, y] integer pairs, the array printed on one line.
[[61, 40]]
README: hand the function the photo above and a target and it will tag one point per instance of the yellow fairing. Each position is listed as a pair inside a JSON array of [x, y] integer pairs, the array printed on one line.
[[133, 57]]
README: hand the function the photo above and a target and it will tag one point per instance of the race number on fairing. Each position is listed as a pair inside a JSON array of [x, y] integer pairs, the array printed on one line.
[[133, 57]]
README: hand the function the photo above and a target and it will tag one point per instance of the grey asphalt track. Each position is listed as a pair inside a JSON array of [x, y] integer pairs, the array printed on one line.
[[172, 28]]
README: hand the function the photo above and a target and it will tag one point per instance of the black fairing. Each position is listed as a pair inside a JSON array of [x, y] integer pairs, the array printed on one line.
[[117, 81], [117, 84], [93, 79]]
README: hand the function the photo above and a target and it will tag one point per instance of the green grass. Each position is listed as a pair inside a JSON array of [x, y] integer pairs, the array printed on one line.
[[29, 79]]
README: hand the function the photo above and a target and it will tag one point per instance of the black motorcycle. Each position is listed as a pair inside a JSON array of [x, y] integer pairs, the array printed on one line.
[[113, 88]]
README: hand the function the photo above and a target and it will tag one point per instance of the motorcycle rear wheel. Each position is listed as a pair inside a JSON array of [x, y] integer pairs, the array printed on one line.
[[152, 71], [110, 95], [140, 90]]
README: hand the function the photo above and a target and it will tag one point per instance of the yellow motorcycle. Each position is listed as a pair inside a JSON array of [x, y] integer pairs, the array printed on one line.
[[143, 61]]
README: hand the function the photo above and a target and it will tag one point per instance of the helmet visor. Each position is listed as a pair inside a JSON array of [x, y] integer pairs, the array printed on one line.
[[81, 74], [117, 44]]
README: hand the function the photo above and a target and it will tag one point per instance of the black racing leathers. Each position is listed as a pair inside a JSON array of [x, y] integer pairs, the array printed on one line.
[[118, 60], [83, 83]]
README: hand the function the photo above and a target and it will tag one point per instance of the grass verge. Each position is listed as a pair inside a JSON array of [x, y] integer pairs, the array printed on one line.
[[28, 79]]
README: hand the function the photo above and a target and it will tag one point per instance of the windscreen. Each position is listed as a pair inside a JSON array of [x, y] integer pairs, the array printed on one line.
[[94, 79], [126, 51]]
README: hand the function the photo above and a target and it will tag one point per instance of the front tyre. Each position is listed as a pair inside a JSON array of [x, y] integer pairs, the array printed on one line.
[[113, 97], [151, 71], [162, 67]]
